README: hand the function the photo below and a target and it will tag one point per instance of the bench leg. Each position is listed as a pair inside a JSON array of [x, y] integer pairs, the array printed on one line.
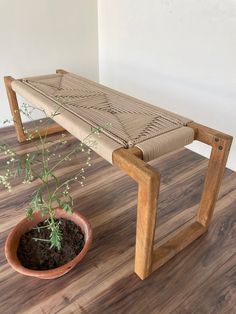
[[146, 223], [148, 179], [14, 109], [220, 144], [14, 106]]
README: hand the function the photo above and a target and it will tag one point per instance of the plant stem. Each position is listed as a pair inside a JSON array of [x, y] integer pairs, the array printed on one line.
[[40, 239]]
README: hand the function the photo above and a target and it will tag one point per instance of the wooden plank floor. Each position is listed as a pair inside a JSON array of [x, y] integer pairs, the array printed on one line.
[[201, 279]]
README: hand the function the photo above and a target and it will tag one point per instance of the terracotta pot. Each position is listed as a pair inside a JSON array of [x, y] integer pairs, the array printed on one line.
[[25, 225]]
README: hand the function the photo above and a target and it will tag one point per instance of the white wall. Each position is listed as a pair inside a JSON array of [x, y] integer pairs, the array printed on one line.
[[180, 55], [37, 37], [176, 54]]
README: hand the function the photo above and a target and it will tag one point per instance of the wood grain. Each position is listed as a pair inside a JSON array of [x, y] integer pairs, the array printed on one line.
[[200, 279]]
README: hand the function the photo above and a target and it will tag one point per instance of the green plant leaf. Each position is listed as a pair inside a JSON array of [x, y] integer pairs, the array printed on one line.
[[66, 207]]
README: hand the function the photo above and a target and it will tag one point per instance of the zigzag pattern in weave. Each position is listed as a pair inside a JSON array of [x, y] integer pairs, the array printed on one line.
[[130, 123]]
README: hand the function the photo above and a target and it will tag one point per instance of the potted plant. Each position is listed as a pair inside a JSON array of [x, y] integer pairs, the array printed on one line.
[[52, 239]]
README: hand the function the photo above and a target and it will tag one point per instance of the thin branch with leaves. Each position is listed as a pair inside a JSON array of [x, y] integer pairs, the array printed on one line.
[[51, 193]]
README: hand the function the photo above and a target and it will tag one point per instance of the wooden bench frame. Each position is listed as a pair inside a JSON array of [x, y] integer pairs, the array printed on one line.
[[148, 179]]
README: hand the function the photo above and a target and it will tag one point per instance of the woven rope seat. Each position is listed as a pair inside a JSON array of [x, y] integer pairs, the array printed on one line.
[[125, 121]]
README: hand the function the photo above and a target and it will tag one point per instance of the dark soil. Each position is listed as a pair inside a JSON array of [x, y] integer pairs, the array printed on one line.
[[37, 255]]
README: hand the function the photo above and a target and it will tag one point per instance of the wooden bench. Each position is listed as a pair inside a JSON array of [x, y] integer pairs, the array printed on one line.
[[138, 133]]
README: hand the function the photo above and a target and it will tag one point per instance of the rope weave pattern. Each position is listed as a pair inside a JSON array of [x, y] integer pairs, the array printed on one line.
[[130, 121]]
